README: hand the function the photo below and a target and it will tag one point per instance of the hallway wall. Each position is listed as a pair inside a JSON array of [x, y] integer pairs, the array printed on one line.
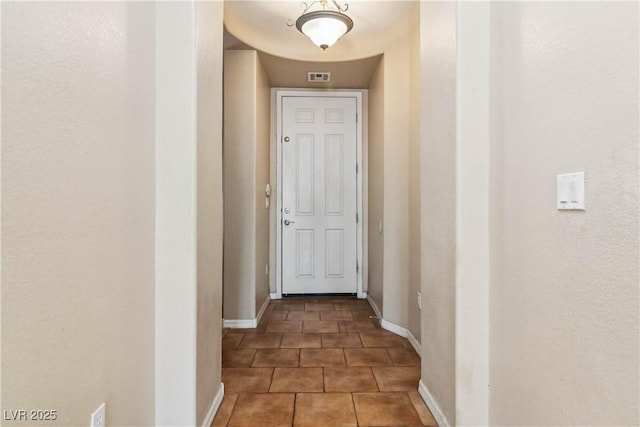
[[564, 288], [438, 203], [375, 206], [209, 205], [246, 172], [78, 210], [415, 226], [396, 180], [394, 200], [263, 169], [111, 240]]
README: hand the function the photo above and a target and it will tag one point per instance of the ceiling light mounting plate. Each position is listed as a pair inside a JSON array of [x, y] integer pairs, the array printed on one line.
[[324, 3]]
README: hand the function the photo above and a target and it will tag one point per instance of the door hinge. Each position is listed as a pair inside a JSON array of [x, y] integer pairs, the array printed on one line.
[[356, 117], [357, 267], [357, 218], [356, 168]]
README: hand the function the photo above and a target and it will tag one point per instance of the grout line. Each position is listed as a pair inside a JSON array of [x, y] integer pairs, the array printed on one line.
[[253, 358], [355, 411], [324, 386], [390, 358], [240, 342], [375, 379], [373, 372], [273, 373], [293, 414], [413, 406], [233, 409]]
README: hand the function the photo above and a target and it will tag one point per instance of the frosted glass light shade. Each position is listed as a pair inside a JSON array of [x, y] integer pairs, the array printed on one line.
[[324, 27]]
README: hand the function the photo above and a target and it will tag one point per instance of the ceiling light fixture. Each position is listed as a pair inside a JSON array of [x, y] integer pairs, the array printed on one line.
[[324, 26]]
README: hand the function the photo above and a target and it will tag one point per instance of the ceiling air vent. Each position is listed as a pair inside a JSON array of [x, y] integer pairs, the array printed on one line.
[[318, 77]]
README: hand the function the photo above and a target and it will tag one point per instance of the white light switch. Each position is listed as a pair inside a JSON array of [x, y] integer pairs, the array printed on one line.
[[571, 191]]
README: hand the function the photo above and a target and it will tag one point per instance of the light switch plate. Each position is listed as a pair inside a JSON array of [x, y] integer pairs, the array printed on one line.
[[570, 191]]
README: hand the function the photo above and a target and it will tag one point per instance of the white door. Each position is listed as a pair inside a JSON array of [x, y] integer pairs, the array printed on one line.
[[319, 195]]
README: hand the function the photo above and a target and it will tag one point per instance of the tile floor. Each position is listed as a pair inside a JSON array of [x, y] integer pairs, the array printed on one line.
[[319, 362]]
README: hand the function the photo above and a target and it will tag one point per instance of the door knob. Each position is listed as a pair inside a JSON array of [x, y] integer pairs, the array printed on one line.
[[287, 222]]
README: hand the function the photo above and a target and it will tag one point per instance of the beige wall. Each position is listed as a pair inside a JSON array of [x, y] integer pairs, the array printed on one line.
[[564, 290], [375, 148], [415, 270], [262, 159], [209, 199], [396, 180], [246, 172], [438, 201], [394, 196], [78, 210], [239, 183], [78, 295], [564, 285]]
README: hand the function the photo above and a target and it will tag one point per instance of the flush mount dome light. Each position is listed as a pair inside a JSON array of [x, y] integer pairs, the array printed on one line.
[[324, 27]]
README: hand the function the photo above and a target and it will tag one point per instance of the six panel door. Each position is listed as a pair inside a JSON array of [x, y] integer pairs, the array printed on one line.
[[319, 195]]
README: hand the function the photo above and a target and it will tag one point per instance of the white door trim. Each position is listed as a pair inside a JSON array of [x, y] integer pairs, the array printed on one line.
[[359, 204]]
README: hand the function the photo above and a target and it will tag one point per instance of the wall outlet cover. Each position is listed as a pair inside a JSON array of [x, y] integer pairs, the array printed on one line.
[[99, 416]]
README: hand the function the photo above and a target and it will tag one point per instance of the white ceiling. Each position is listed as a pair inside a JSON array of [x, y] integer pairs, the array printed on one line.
[[262, 24]]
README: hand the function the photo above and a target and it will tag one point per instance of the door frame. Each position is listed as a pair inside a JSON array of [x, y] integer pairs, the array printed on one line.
[[279, 94]]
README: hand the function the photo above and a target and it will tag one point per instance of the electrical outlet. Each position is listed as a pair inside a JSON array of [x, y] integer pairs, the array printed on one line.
[[99, 416], [419, 301]]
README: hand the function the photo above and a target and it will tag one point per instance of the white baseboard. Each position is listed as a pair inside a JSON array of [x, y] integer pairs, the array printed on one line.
[[403, 332], [433, 406], [239, 323], [246, 323], [392, 327], [215, 405], [363, 295], [262, 309], [274, 295], [398, 330], [374, 306], [414, 343]]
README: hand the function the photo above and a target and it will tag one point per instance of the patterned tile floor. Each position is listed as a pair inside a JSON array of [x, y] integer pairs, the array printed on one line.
[[319, 362]]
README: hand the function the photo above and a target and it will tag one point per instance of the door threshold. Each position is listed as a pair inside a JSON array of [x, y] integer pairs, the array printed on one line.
[[353, 294]]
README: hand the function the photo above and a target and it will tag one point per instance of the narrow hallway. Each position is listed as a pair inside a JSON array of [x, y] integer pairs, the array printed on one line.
[[320, 362]]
